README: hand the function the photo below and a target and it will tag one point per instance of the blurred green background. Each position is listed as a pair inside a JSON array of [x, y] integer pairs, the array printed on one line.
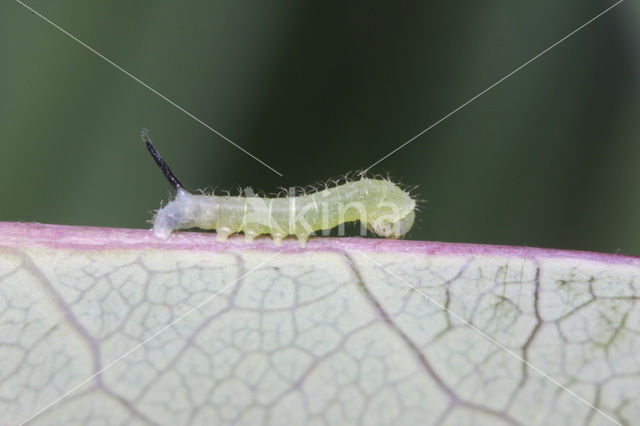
[[549, 158]]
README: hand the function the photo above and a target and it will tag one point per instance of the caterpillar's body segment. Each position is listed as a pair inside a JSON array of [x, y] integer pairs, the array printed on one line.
[[380, 204]]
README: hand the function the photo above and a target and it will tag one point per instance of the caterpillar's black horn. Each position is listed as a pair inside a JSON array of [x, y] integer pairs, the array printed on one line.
[[173, 180]]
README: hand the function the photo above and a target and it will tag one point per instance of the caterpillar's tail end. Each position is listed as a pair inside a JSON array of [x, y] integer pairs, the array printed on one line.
[[164, 224], [162, 232]]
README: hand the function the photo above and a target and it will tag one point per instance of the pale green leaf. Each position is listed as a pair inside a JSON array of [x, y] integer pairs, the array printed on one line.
[[115, 327]]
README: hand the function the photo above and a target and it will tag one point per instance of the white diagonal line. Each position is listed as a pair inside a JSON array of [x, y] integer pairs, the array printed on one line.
[[154, 335], [118, 67], [495, 342], [496, 83]]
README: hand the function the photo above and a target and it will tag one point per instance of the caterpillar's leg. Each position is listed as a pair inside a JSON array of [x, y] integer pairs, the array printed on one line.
[[249, 236], [222, 234], [302, 239], [277, 239]]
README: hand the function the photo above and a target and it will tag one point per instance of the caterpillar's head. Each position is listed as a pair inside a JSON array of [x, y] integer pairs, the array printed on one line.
[[391, 210], [386, 227]]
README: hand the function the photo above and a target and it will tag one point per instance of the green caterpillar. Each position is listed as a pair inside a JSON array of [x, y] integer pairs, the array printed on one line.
[[381, 205]]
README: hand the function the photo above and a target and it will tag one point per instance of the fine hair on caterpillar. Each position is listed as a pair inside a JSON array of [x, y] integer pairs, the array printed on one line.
[[379, 204]]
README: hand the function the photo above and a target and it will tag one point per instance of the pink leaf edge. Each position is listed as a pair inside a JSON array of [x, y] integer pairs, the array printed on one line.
[[97, 238]]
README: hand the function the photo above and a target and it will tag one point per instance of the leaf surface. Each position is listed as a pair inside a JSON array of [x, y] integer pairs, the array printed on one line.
[[113, 326]]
